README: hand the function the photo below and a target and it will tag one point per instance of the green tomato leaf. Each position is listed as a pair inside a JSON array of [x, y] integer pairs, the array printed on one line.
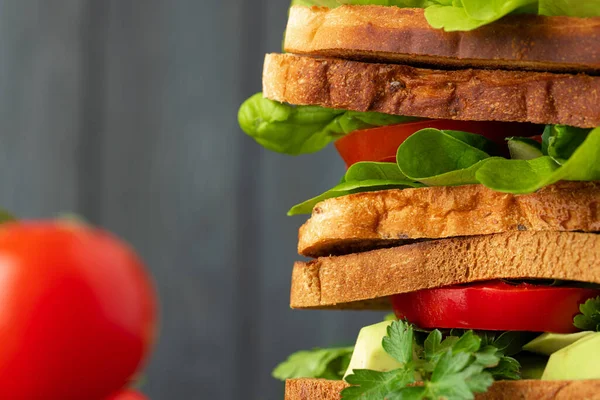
[[316, 363], [6, 216], [298, 130], [589, 319]]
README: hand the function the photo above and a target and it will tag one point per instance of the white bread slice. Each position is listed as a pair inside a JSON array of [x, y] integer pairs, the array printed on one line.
[[321, 389], [403, 35], [365, 280], [365, 221], [468, 95]]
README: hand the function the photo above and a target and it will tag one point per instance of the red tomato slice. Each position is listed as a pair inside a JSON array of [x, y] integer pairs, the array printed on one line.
[[494, 305], [381, 144]]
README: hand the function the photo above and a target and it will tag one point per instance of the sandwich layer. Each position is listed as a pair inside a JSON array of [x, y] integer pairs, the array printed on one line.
[[365, 280], [470, 95], [321, 389], [403, 35], [365, 221]]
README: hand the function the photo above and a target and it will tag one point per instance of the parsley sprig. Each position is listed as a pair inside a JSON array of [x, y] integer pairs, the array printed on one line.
[[453, 368], [589, 319]]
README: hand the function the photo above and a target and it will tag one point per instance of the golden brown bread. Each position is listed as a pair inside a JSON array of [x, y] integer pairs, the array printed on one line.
[[470, 95], [365, 221], [321, 389], [365, 280], [402, 35]]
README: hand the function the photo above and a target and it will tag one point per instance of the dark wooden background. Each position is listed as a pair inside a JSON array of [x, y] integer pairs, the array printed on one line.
[[125, 111]]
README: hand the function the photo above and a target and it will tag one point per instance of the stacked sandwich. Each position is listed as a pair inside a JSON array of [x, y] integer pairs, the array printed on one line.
[[471, 201]]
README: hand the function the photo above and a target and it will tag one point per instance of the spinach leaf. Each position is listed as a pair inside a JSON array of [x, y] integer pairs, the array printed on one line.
[[561, 141], [303, 129], [360, 177], [435, 157], [526, 176]]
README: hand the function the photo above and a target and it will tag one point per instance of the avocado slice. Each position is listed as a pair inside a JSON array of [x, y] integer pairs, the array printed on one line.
[[548, 343], [576, 361], [368, 351]]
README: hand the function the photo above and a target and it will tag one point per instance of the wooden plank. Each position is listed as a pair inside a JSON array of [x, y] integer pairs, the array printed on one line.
[[41, 85]]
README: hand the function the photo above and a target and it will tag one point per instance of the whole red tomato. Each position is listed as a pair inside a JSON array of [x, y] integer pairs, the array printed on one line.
[[77, 312], [127, 395]]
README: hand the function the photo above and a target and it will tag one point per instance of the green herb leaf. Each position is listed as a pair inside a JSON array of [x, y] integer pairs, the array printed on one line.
[[317, 363], [589, 319], [369, 384], [303, 129], [452, 368], [399, 341]]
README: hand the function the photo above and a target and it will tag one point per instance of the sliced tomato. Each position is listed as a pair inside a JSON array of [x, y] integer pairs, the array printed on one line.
[[381, 144], [494, 305]]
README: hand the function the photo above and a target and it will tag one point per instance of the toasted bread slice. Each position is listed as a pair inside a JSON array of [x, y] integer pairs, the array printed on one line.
[[365, 280], [365, 221], [403, 35], [322, 389], [470, 95]]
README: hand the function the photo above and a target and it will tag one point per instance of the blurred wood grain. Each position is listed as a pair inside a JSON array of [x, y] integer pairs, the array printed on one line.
[[126, 112]]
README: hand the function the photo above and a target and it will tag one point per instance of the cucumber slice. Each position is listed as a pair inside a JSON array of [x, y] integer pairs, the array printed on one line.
[[524, 148]]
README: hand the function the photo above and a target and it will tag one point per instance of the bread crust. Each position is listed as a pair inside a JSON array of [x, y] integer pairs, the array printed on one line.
[[403, 35], [365, 280], [321, 389], [470, 95], [370, 220]]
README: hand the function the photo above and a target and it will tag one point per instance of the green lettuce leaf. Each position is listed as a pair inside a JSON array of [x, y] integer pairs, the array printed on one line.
[[303, 129], [527, 176], [360, 177], [317, 363], [570, 8], [431, 157]]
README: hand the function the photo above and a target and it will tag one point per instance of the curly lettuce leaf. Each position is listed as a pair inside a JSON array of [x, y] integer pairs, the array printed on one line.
[[295, 130]]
